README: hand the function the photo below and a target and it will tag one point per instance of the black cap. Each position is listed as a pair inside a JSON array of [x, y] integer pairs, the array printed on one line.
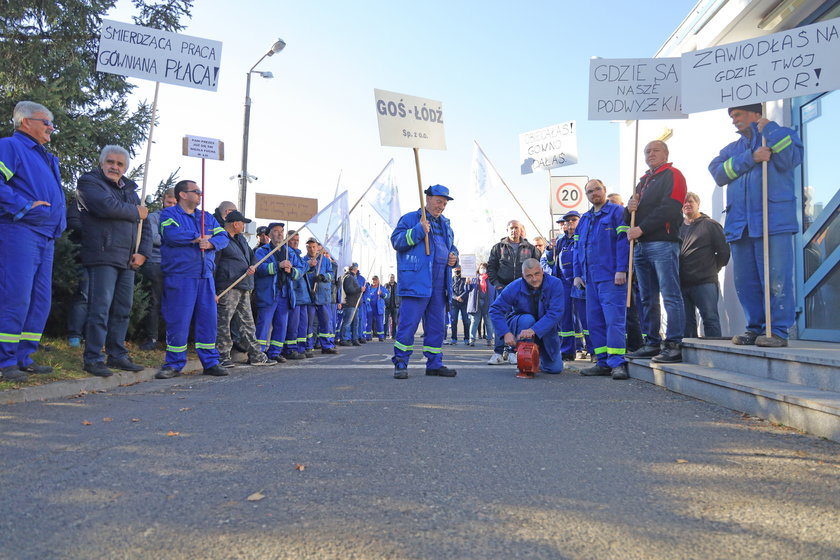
[[262, 230], [272, 225], [752, 108], [236, 216]]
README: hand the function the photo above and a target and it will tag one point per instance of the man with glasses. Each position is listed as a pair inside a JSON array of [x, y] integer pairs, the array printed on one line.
[[189, 292], [32, 216]]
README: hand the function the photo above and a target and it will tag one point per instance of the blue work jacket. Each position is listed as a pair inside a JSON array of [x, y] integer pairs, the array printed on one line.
[[377, 299], [517, 297], [414, 266], [272, 281], [28, 172], [320, 289], [734, 167], [601, 245], [178, 254]]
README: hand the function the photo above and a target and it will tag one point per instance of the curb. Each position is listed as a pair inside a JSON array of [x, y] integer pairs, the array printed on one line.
[[80, 387]]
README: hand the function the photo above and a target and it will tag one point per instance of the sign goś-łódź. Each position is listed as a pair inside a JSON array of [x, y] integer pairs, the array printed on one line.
[[160, 56], [801, 61], [549, 147], [635, 89], [409, 122]]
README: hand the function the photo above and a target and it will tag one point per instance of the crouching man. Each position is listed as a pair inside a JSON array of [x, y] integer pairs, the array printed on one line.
[[532, 307]]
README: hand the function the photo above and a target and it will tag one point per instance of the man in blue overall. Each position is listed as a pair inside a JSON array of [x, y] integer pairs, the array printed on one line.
[[32, 216], [187, 259], [602, 255], [424, 282]]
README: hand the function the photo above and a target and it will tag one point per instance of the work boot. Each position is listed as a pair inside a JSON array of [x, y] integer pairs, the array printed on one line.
[[294, 355], [216, 371], [646, 351], [12, 373], [400, 371], [620, 372], [167, 372], [124, 364], [746, 339], [596, 370], [442, 371], [35, 368], [99, 369], [329, 351], [772, 341], [344, 343], [671, 354]]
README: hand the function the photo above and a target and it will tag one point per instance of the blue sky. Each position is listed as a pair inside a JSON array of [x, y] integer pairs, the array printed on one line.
[[499, 68]]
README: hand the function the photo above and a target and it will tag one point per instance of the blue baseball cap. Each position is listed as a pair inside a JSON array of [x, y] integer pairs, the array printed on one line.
[[438, 190], [567, 215], [272, 225]]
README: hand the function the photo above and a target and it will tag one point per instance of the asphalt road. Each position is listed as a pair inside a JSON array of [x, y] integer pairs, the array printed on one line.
[[348, 463]]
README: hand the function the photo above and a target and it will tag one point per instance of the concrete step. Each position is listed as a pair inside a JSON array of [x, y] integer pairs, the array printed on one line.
[[813, 364], [805, 408]]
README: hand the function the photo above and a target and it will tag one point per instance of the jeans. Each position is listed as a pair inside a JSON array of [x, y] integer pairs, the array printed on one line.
[[110, 295], [657, 265], [482, 315], [460, 308], [350, 324], [748, 272], [705, 298]]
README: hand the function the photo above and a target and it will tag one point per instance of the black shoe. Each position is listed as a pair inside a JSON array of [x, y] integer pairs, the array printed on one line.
[[596, 370], [150, 344], [746, 339], [620, 372], [329, 351], [35, 368], [344, 343], [98, 369], [442, 371], [309, 354], [646, 351], [356, 343], [278, 358], [363, 341], [166, 372], [671, 354], [295, 356], [772, 341], [226, 363], [124, 364], [216, 371], [400, 371], [568, 357], [12, 373]]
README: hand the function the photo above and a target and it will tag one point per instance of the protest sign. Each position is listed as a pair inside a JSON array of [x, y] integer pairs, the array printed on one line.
[[800, 61], [468, 265], [634, 89], [205, 148], [291, 208], [409, 122], [547, 148], [160, 56], [567, 193]]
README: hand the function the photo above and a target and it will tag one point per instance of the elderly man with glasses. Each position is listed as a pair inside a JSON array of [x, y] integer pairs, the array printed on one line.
[[32, 216]]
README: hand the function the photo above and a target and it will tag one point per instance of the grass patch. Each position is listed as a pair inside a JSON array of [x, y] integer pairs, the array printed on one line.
[[67, 362]]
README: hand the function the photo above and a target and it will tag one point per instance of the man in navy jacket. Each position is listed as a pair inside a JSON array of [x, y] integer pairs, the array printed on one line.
[[110, 213], [32, 215]]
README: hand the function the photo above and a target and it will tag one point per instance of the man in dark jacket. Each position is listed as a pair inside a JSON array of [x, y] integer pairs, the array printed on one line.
[[658, 202], [232, 262], [392, 308], [458, 297], [110, 211], [703, 243], [504, 266], [351, 292]]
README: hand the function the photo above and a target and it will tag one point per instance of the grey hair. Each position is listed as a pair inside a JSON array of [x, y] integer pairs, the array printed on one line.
[[528, 264], [114, 149], [226, 205], [25, 110]]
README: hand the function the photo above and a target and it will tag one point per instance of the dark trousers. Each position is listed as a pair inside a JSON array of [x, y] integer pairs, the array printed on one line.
[[110, 295], [151, 322], [392, 317], [460, 308], [703, 297]]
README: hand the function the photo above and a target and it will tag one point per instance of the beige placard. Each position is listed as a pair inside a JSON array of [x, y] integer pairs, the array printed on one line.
[[279, 207]]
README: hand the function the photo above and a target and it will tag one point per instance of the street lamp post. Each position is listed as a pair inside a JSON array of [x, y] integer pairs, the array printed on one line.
[[243, 177]]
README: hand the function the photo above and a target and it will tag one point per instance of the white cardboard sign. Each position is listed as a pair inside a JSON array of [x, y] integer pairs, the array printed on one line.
[[160, 56], [468, 265], [205, 148], [635, 89], [409, 122], [549, 147], [800, 61]]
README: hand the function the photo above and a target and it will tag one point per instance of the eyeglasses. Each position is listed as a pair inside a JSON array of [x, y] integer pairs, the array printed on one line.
[[196, 191], [47, 122]]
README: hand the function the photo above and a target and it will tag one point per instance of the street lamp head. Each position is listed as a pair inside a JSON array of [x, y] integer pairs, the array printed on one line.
[[278, 46], [266, 75]]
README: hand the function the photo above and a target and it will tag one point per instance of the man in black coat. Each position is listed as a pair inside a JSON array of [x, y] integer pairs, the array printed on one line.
[[110, 213]]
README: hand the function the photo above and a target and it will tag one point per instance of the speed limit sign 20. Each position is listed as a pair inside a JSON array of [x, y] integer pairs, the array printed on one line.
[[567, 194]]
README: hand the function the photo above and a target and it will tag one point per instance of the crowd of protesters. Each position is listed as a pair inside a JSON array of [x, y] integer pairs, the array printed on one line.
[[279, 301]]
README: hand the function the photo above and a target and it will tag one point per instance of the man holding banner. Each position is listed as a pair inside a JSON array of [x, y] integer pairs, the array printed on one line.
[[424, 282], [739, 167]]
